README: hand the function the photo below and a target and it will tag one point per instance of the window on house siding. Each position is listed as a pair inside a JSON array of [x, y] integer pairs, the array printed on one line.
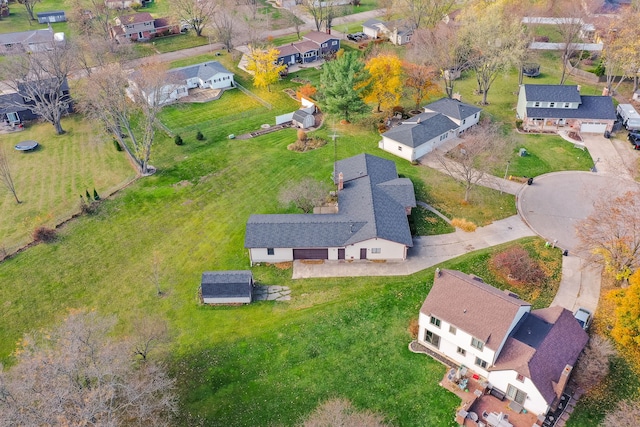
[[270, 251], [376, 250], [462, 351], [334, 42], [552, 105], [399, 148], [452, 330], [477, 343], [432, 338], [435, 321], [567, 105], [481, 363], [536, 104]]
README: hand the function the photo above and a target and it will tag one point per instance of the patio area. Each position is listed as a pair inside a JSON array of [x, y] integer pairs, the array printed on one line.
[[202, 95]]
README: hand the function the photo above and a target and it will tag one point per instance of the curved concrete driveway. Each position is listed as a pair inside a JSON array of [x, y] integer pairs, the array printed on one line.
[[552, 207]]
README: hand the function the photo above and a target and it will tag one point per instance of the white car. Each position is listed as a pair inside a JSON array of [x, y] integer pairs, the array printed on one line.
[[583, 316]]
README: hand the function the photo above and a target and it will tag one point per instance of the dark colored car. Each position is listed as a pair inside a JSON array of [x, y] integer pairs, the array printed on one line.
[[634, 133], [635, 141], [355, 37]]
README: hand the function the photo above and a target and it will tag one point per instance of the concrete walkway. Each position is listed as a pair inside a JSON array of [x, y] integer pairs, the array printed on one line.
[[426, 252]]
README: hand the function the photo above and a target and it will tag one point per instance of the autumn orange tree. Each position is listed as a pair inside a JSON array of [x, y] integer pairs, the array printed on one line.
[[626, 329], [262, 63], [419, 78], [306, 91], [611, 235], [385, 81]]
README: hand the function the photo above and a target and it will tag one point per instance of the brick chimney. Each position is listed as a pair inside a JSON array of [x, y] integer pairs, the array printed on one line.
[[564, 378], [340, 181]]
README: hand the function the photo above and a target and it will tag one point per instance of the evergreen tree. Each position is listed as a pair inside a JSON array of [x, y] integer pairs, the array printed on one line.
[[343, 84]]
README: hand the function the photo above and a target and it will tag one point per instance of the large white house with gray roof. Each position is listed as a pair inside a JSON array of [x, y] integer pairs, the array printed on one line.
[[555, 107], [371, 221], [206, 75], [442, 120]]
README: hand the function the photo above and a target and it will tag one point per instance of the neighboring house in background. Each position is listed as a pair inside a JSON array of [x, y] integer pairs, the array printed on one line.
[[527, 355], [51, 17], [423, 133], [206, 75], [15, 108], [314, 46], [29, 41], [226, 287], [125, 4], [551, 107], [371, 221], [141, 26], [398, 32]]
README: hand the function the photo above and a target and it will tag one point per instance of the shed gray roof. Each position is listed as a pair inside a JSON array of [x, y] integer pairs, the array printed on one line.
[[485, 312], [421, 129], [50, 13], [453, 108], [230, 283], [373, 23], [592, 107], [204, 70], [300, 115], [541, 346], [371, 205], [552, 93]]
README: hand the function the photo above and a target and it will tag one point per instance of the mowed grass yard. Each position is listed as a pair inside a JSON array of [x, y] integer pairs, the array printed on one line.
[[50, 180]]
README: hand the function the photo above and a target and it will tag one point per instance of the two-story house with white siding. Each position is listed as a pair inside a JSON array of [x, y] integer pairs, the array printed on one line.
[[558, 107], [418, 136], [527, 355], [141, 26]]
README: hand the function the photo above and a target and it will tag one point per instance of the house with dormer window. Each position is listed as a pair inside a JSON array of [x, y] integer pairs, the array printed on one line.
[[526, 355], [557, 107]]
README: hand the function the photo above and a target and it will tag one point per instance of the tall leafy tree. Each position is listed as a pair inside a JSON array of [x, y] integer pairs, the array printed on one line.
[[419, 78], [385, 81], [498, 41], [262, 63], [626, 330], [342, 85]]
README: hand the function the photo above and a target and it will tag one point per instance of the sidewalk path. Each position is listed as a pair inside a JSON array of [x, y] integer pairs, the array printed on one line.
[[426, 252]]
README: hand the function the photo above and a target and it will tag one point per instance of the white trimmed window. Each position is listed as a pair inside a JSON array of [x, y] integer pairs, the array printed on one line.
[[452, 330], [271, 251], [477, 343], [481, 363], [435, 321], [461, 351]]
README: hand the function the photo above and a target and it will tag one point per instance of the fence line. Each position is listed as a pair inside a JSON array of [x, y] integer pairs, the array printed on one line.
[[254, 96]]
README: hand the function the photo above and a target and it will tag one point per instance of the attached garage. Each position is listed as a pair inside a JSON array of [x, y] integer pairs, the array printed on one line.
[[593, 127], [311, 254]]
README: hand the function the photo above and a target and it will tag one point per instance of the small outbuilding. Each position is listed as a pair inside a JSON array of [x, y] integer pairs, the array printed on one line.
[[51, 16], [227, 287], [303, 119]]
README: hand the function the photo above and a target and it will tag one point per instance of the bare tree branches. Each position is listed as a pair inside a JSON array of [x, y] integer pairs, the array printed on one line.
[[77, 375], [627, 413], [425, 13], [29, 5], [40, 77], [197, 13], [611, 234], [304, 195], [593, 365], [340, 412], [5, 174], [224, 28], [482, 147]]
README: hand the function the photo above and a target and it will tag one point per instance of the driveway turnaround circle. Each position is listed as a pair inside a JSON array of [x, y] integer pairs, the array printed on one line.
[[554, 204]]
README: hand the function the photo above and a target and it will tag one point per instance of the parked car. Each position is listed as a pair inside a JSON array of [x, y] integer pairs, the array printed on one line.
[[354, 37], [634, 133], [583, 316], [635, 140]]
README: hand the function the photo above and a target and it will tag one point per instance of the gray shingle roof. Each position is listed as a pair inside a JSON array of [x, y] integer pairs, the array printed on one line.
[[484, 312], [230, 283], [50, 13], [421, 129], [373, 23], [552, 93], [558, 342], [453, 108], [319, 37], [11, 103], [592, 107], [28, 37], [204, 70], [299, 115], [371, 204]]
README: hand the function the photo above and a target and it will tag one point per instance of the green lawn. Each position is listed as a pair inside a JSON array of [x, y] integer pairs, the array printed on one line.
[[49, 181], [18, 19]]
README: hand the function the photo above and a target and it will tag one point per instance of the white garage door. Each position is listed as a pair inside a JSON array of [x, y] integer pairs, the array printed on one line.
[[593, 127]]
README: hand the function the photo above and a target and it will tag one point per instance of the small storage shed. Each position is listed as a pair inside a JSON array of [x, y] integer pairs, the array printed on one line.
[[51, 16], [226, 287], [303, 119]]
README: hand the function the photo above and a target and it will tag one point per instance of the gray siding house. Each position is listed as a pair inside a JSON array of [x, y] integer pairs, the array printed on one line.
[[226, 287], [551, 107], [371, 222]]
